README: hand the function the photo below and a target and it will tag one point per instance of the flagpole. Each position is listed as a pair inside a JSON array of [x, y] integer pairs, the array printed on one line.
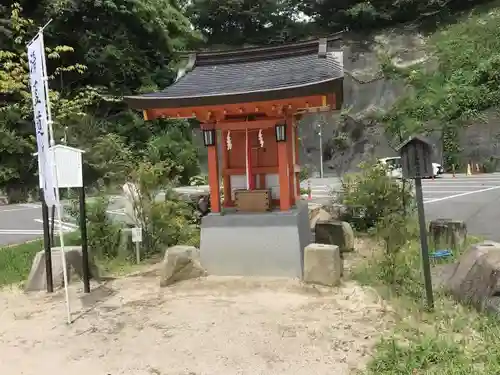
[[39, 31], [52, 144]]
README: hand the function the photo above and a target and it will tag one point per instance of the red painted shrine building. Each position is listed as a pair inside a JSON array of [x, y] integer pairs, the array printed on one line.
[[248, 102]]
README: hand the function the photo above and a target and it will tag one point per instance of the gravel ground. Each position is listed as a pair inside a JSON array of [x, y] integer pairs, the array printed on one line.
[[216, 325]]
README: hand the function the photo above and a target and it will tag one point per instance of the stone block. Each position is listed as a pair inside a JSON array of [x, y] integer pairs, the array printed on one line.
[[269, 244], [322, 264], [37, 279], [180, 263], [333, 232]]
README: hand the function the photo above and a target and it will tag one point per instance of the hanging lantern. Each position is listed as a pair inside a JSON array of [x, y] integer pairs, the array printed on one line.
[[261, 139], [229, 143], [280, 132], [209, 137]]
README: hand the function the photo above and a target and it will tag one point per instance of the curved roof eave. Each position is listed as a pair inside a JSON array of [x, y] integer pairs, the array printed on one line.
[[149, 101]]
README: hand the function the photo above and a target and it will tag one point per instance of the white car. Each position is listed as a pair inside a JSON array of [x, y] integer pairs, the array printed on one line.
[[395, 169]]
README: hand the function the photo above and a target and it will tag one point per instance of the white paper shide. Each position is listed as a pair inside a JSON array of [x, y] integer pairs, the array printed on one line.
[[36, 61]]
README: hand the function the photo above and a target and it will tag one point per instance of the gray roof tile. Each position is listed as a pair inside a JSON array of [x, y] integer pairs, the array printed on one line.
[[262, 75]]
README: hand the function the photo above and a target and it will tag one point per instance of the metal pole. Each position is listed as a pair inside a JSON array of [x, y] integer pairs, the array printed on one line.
[[53, 215], [138, 251], [320, 151], [47, 244], [423, 244], [85, 248]]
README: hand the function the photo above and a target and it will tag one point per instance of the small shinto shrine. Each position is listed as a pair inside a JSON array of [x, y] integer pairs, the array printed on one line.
[[248, 102]]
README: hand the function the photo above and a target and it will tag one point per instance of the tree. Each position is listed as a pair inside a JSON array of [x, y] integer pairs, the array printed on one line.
[[17, 137], [245, 22], [464, 82], [127, 45], [363, 15]]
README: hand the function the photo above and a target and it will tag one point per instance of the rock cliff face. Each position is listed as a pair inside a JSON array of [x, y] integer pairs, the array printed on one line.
[[356, 138]]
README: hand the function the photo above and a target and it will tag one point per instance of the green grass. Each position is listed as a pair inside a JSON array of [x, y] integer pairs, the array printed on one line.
[[15, 261], [451, 340]]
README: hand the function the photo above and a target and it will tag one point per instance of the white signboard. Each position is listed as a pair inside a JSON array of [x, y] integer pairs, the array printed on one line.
[[137, 234], [69, 166], [36, 61]]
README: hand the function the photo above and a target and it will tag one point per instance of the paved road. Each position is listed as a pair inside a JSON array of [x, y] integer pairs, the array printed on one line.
[[474, 199]]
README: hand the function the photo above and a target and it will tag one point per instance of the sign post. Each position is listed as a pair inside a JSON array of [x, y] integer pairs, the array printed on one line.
[[416, 164], [137, 239], [45, 137], [70, 175]]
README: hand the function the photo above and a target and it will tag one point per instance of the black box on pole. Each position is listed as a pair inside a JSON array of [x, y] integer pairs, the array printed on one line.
[[416, 162]]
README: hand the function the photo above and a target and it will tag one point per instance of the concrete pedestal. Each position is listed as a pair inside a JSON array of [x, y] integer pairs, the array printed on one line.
[[256, 244]]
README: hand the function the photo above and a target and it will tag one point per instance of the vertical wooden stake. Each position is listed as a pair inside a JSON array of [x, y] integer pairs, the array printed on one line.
[[138, 252], [47, 244], [423, 244], [85, 248]]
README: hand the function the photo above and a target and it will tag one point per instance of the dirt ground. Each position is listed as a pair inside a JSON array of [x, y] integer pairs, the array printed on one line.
[[217, 325]]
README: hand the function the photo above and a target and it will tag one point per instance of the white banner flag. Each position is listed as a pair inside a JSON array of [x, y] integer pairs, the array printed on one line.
[[36, 57]]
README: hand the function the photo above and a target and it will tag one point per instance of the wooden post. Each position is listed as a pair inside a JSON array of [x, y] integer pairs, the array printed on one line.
[[296, 161], [248, 150], [47, 244], [213, 178], [284, 179], [225, 166], [423, 244], [85, 248], [290, 141]]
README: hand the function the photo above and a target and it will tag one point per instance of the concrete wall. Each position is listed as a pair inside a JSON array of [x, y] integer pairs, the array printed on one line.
[[255, 244]]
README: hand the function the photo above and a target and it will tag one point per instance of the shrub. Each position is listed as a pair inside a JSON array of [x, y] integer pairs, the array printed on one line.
[[490, 165], [198, 180], [165, 222], [103, 234], [370, 195]]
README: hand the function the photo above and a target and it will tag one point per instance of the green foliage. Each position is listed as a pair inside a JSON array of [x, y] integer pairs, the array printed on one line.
[[394, 267], [127, 44], [304, 173], [16, 261], [18, 167], [229, 22], [165, 222], [365, 15], [198, 180], [103, 234], [371, 195], [464, 82], [450, 340]]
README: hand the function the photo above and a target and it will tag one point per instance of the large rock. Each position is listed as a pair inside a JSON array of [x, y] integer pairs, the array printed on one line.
[[181, 263], [37, 279], [322, 264], [447, 233], [476, 278], [318, 214], [333, 232]]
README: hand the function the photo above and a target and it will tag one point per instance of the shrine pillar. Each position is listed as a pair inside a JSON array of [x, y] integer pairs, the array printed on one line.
[[210, 142], [226, 179]]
